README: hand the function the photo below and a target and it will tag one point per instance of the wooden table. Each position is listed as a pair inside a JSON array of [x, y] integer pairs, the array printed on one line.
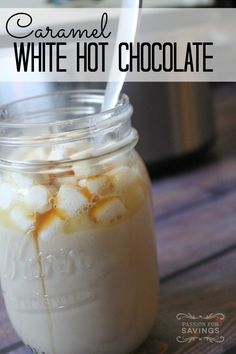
[[196, 230]]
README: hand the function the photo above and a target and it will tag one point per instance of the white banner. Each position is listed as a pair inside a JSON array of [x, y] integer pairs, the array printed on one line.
[[79, 45]]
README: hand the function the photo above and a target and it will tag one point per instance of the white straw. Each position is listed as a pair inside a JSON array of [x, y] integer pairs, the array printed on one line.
[[127, 29]]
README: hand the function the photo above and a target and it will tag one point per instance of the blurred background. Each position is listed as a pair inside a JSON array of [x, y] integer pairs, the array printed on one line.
[[180, 124]]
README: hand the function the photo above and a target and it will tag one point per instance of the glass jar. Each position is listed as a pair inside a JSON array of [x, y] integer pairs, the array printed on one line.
[[77, 253]]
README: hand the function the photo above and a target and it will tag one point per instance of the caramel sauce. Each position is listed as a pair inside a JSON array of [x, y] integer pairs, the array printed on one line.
[[61, 175], [110, 185], [90, 196], [44, 220]]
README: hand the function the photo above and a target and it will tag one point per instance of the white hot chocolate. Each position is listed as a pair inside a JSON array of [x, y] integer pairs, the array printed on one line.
[[77, 256]]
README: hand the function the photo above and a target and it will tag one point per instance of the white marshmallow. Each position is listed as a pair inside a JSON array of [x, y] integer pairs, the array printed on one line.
[[81, 154], [68, 151], [27, 181], [86, 169], [122, 178], [108, 210], [72, 147], [96, 185], [37, 199], [21, 218], [58, 153], [38, 154], [82, 183], [52, 229], [7, 196], [79, 150], [65, 180], [23, 181], [70, 200]]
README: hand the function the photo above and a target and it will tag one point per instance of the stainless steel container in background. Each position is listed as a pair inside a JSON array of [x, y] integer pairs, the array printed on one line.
[[173, 119]]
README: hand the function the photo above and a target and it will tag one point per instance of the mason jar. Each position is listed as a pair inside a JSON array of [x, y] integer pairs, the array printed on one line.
[[77, 250]]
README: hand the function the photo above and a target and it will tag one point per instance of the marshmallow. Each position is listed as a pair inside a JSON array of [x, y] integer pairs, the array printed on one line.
[[72, 147], [22, 219], [108, 210], [38, 154], [96, 185], [122, 178], [37, 199], [51, 229], [71, 151], [80, 154], [85, 169], [78, 150], [71, 200], [27, 181], [7, 196], [82, 183], [58, 153], [22, 181], [69, 179]]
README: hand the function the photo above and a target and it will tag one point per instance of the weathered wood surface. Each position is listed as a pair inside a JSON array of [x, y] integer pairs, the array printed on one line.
[[7, 334], [209, 288], [196, 232]]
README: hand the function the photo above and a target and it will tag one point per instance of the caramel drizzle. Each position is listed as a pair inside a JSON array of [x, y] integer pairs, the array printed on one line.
[[44, 291], [41, 221]]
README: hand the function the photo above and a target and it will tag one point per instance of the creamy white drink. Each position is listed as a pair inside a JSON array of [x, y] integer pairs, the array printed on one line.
[[77, 256]]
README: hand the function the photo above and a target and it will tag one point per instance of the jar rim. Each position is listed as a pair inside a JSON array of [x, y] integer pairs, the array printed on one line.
[[64, 117], [122, 103], [21, 124]]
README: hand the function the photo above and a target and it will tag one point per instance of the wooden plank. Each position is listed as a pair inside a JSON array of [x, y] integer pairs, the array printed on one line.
[[190, 189], [7, 334], [17, 347], [196, 234], [207, 289]]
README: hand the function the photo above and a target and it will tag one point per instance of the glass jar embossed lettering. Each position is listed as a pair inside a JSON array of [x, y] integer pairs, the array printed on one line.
[[77, 254]]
